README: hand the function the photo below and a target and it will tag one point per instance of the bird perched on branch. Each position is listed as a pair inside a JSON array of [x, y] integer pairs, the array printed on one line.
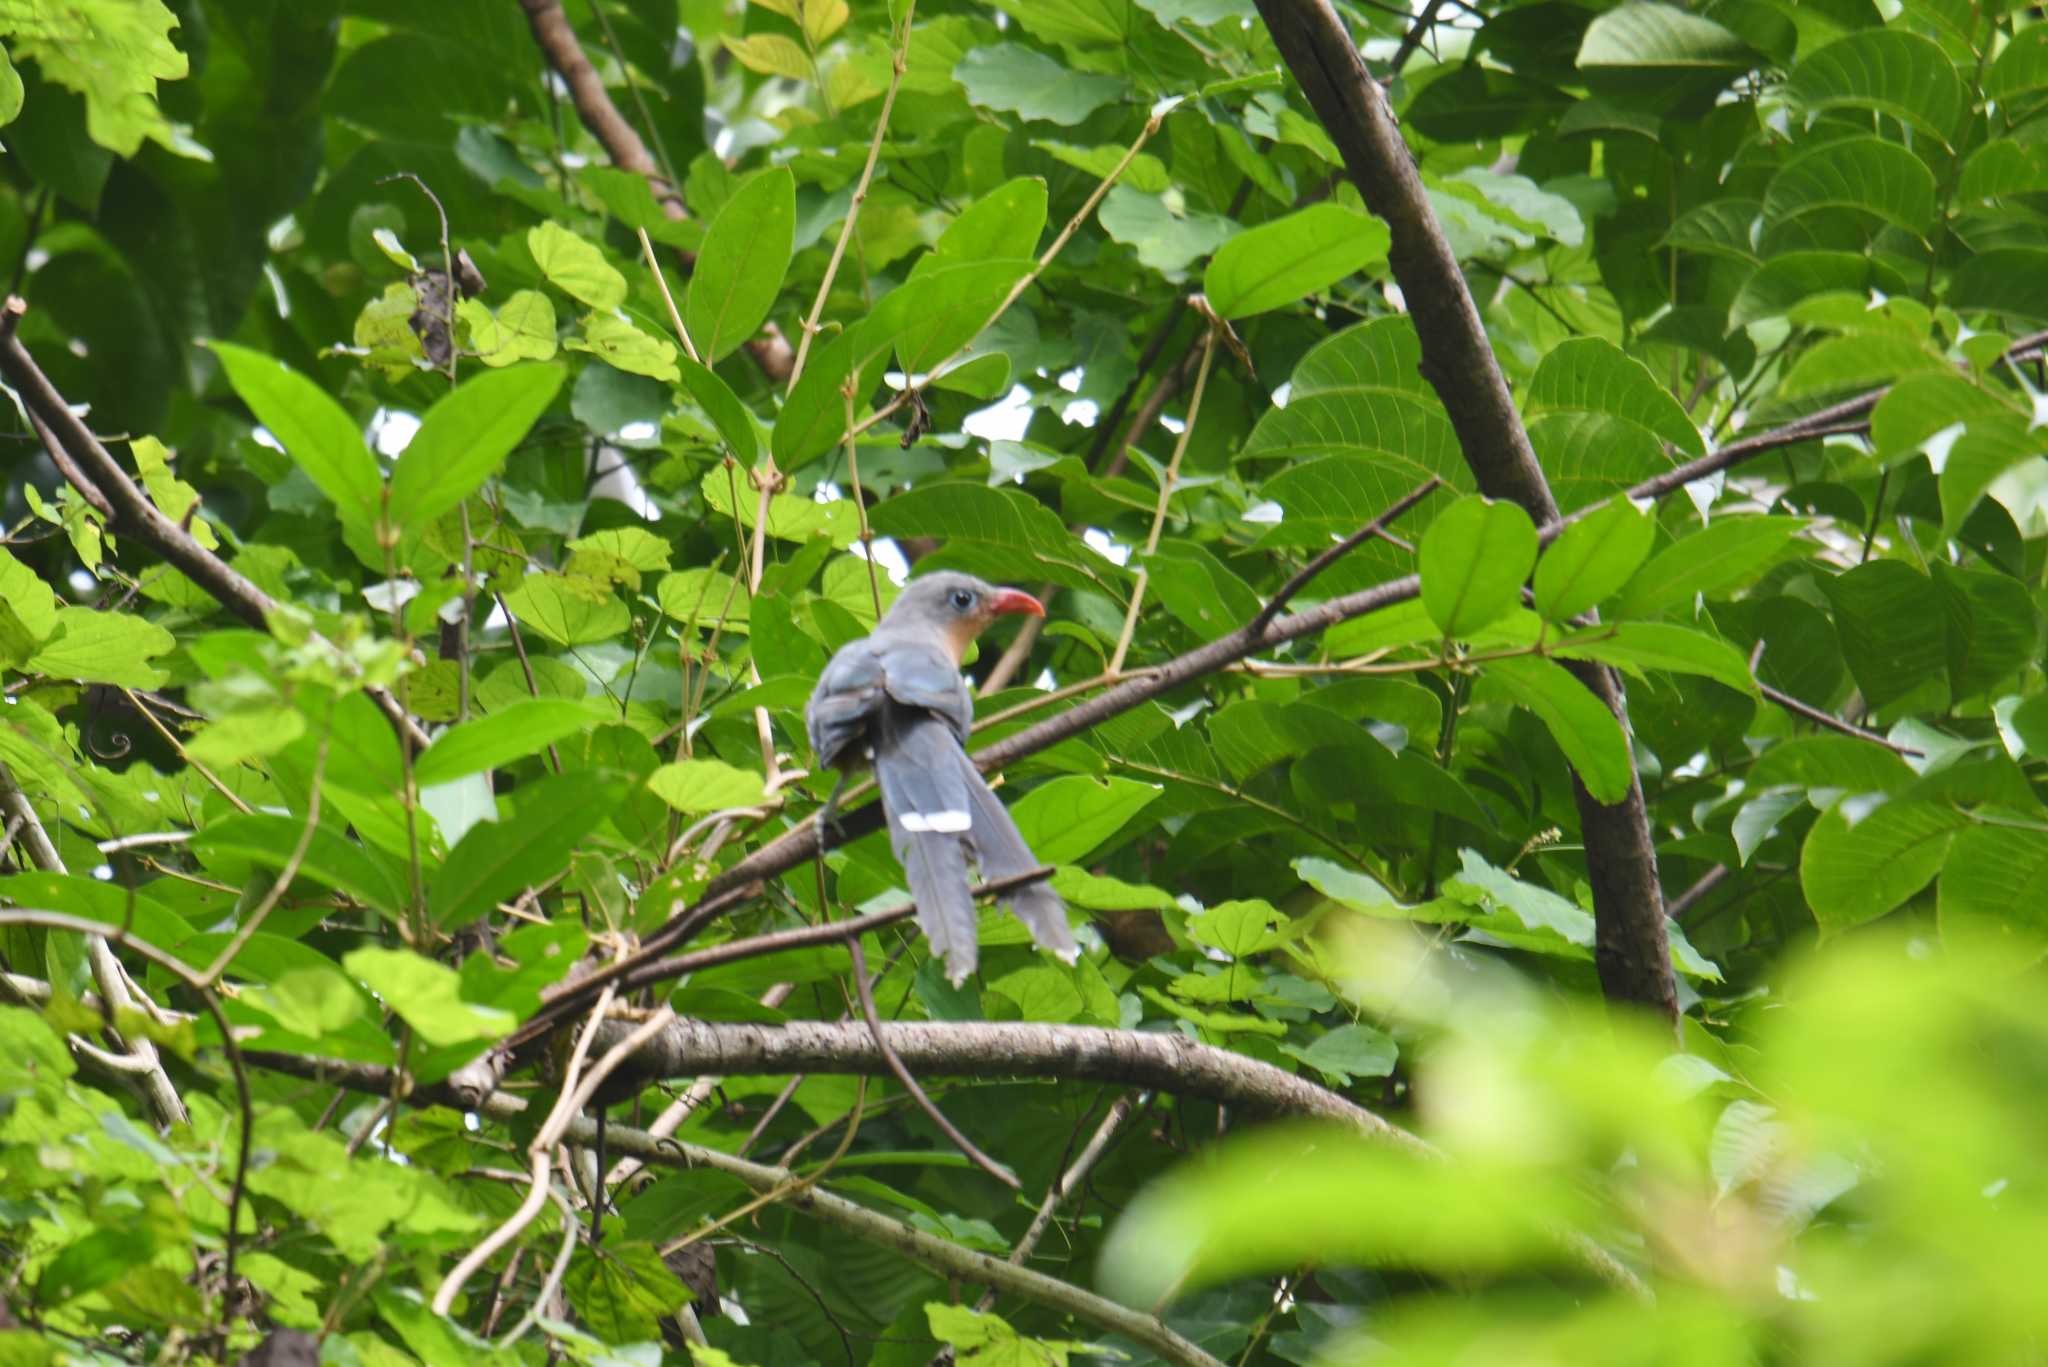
[[895, 700]]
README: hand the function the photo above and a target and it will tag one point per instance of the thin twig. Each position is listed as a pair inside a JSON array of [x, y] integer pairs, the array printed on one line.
[[675, 315], [253, 922], [1076, 1173], [898, 62], [1167, 484], [1330, 557], [865, 992]]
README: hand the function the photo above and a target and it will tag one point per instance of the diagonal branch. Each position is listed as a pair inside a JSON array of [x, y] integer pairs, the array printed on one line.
[[134, 514]]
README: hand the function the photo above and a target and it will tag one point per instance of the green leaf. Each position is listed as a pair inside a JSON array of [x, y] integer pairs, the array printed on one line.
[[740, 268], [363, 872], [140, 912], [315, 431], [465, 437], [1994, 890], [513, 732], [1167, 235], [771, 54], [1856, 873], [1722, 555], [102, 647], [1349, 1051], [568, 610], [1145, 171], [1474, 558], [1991, 627], [1022, 81], [1009, 534], [1066, 819], [1791, 277], [1592, 558], [575, 266], [1890, 619], [1003, 225], [1581, 724], [1278, 263], [624, 1291], [2004, 280], [706, 785], [1637, 646], [1889, 70], [1855, 766], [523, 328], [1589, 375], [625, 347], [1867, 173], [497, 859], [723, 407], [703, 597], [427, 996], [2021, 68], [1238, 929], [1643, 34]]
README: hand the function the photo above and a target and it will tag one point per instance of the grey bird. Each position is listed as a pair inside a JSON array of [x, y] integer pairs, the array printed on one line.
[[895, 700]]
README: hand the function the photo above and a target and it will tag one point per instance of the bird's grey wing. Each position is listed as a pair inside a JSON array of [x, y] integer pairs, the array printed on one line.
[[844, 703], [918, 672]]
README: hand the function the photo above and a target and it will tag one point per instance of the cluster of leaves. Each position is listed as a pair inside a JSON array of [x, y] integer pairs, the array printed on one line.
[[581, 508]]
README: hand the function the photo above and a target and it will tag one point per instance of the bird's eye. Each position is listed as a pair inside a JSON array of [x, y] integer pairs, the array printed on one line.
[[962, 599]]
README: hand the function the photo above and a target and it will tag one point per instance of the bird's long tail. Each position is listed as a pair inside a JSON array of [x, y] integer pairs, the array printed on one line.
[[930, 818], [1000, 850]]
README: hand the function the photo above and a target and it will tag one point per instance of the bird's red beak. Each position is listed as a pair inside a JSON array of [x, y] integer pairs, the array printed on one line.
[[1016, 600]]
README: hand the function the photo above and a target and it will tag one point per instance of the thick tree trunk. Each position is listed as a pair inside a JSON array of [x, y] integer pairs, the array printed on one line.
[[1632, 951]]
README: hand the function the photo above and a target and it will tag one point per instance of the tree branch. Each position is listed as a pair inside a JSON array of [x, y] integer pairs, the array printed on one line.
[[134, 514], [557, 41], [1631, 948]]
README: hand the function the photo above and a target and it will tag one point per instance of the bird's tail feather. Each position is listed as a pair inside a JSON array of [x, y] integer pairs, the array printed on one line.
[[929, 821], [1000, 850]]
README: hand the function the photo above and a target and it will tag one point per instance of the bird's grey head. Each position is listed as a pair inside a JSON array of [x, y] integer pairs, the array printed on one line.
[[953, 601]]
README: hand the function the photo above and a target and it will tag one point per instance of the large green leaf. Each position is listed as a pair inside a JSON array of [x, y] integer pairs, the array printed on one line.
[[522, 728], [329, 857], [1474, 558], [1852, 873], [1870, 174], [1005, 534], [1592, 558], [1994, 889], [1889, 70], [1637, 646], [1580, 723], [1724, 554], [1647, 34], [1892, 627], [739, 271], [315, 431], [499, 858], [102, 647], [576, 266], [1022, 81], [426, 995], [1277, 263], [1589, 375], [1066, 819], [465, 437]]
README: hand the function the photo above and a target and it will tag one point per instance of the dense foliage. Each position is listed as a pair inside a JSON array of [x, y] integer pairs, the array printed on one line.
[[508, 405]]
